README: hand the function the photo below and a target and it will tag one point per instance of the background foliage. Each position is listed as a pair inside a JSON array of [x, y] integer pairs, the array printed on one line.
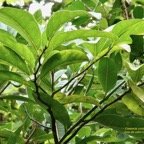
[[75, 77]]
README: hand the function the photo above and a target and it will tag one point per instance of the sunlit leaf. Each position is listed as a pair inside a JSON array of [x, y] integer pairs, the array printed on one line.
[[64, 37], [63, 16], [137, 90], [24, 23], [135, 105], [19, 48], [107, 73], [63, 58], [9, 57]]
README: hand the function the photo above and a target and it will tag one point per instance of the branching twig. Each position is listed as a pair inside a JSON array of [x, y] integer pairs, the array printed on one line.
[[125, 9]]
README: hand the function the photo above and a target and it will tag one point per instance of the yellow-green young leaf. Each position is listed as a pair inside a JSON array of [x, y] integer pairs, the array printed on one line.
[[79, 98], [61, 17], [136, 90], [136, 73], [133, 104], [9, 57], [24, 23], [107, 73], [65, 57], [59, 111], [38, 16], [23, 51], [64, 37], [11, 76]]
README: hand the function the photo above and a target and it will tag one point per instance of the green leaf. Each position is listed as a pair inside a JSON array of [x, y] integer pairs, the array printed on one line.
[[77, 98], [138, 12], [19, 98], [24, 23], [9, 57], [58, 110], [64, 37], [136, 72], [14, 137], [133, 104], [107, 73], [63, 58], [137, 90], [38, 16], [6, 75], [119, 122], [61, 17], [19, 48]]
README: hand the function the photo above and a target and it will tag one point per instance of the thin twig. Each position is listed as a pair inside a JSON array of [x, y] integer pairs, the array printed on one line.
[[5, 87], [74, 87], [125, 9], [30, 136], [89, 112], [52, 82], [35, 120]]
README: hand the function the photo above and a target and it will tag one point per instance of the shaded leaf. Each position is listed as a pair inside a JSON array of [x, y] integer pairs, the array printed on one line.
[[6, 75], [62, 58], [19, 98], [24, 23], [9, 57], [63, 16], [107, 73]]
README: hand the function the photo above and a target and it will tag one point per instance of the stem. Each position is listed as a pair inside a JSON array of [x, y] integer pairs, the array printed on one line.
[[5, 87], [98, 113], [89, 112]]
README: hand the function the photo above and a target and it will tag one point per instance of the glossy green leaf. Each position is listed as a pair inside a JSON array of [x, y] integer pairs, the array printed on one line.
[[64, 37], [9, 57], [24, 23], [78, 98], [107, 73], [19, 48], [63, 58], [6, 75], [61, 17], [136, 72], [137, 90], [133, 104], [19, 98]]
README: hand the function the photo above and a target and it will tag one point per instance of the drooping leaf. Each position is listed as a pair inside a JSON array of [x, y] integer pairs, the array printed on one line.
[[19, 48], [107, 73], [77, 98], [137, 90], [19, 98], [62, 58], [135, 105], [6, 75], [24, 23], [63, 17], [64, 37], [9, 57]]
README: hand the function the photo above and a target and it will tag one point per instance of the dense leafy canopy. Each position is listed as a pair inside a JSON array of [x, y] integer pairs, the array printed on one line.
[[75, 77]]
